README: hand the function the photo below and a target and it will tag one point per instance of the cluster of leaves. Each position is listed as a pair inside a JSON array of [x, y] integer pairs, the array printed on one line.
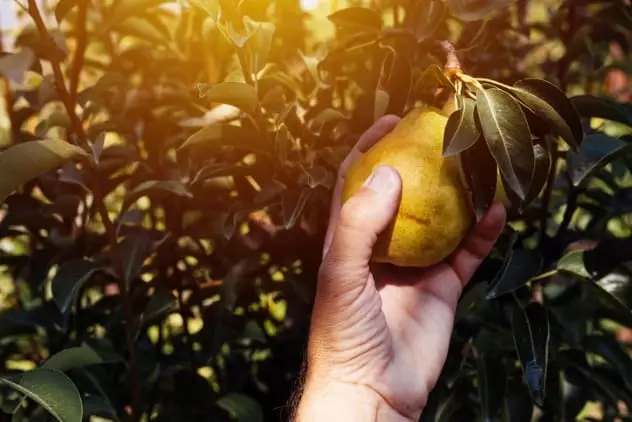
[[165, 191]]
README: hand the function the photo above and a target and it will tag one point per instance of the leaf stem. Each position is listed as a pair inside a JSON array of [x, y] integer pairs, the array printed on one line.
[[98, 199]]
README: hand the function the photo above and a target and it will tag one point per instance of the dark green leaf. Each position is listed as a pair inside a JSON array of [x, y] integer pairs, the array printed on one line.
[[154, 187], [519, 403], [480, 172], [611, 350], [98, 406], [51, 389], [63, 7], [77, 357], [13, 66], [559, 110], [218, 135], [573, 263], [542, 156], [242, 408], [461, 131], [508, 136], [134, 249], [531, 332], [429, 81], [162, 301], [292, 204], [520, 266], [604, 108], [238, 94], [426, 18], [69, 279], [492, 384], [468, 10], [596, 151], [357, 18], [23, 162]]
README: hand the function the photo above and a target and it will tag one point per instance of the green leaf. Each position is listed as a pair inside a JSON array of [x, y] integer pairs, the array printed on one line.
[[242, 408], [468, 10], [596, 151], [13, 66], [519, 404], [162, 301], [134, 249], [540, 175], [23, 162], [520, 266], [69, 279], [461, 131], [480, 172], [508, 136], [127, 8], [429, 81], [426, 17], [260, 45], [141, 28], [573, 263], [292, 204], [492, 384], [78, 357], [51, 389], [360, 18], [611, 350], [558, 109], [63, 7], [531, 332], [152, 187], [238, 94], [604, 108]]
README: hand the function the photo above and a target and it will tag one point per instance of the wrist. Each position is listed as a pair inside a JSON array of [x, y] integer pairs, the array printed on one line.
[[332, 400]]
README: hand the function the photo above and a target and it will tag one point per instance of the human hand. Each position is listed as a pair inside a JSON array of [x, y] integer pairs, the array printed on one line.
[[380, 334]]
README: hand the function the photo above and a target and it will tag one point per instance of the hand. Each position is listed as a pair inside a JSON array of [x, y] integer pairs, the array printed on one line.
[[380, 334]]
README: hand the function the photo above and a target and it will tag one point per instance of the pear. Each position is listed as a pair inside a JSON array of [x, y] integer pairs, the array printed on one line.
[[434, 214]]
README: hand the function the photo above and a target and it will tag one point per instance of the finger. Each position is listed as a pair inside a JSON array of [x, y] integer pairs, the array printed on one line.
[[377, 131], [479, 243], [361, 219]]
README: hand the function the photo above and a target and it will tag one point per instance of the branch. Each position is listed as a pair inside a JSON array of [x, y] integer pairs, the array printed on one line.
[[98, 199], [77, 64]]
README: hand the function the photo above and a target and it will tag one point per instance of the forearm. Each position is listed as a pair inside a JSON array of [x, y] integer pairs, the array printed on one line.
[[324, 401]]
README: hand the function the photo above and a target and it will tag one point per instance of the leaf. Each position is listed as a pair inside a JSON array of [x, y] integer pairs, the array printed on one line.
[[260, 45], [611, 350], [468, 10], [219, 135], [604, 108], [573, 263], [519, 404], [142, 28], [162, 301], [78, 357], [461, 131], [426, 18], [508, 136], [596, 151], [127, 8], [63, 7], [520, 266], [558, 111], [14, 66], [23, 162], [51, 389], [211, 7], [149, 187], [292, 204], [361, 18], [241, 407], [69, 279], [531, 333], [429, 81], [540, 175], [97, 147], [238, 94], [492, 383], [480, 172], [134, 249]]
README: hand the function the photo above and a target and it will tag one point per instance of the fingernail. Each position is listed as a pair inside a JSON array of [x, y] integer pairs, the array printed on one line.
[[384, 179]]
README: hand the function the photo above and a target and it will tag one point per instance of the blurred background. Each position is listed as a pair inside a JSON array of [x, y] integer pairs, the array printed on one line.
[[159, 246]]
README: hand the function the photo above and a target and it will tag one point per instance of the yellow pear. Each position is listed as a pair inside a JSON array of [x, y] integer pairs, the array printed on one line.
[[434, 214]]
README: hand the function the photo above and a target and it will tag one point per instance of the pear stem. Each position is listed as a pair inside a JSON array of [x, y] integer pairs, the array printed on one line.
[[452, 66]]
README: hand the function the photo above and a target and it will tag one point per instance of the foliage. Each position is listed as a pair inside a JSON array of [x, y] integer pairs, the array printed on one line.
[[165, 185]]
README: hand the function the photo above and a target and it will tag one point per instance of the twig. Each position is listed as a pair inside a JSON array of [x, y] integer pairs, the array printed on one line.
[[82, 41], [78, 130]]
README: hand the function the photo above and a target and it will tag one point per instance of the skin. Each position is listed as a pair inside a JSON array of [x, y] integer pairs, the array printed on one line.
[[380, 334]]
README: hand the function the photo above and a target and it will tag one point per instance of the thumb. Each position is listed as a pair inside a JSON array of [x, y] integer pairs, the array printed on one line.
[[362, 218]]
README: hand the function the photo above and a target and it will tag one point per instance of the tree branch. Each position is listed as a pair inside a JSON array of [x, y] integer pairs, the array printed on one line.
[[82, 42], [77, 127]]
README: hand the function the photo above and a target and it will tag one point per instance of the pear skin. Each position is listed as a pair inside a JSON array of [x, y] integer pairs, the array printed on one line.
[[434, 213]]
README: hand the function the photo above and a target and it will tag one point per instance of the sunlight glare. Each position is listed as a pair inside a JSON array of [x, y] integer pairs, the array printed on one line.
[[309, 5]]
